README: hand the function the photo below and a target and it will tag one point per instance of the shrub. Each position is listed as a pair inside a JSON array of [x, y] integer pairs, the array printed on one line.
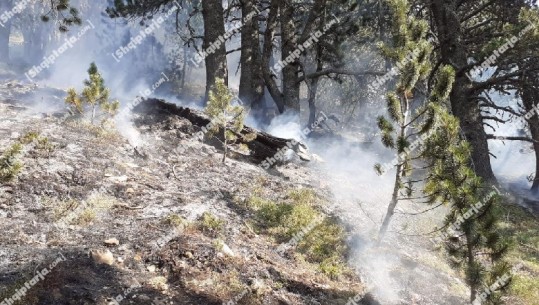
[[10, 167], [210, 223]]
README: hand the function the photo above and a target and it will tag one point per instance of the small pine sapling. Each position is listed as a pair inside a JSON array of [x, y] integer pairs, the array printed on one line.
[[226, 118], [94, 95], [411, 52]]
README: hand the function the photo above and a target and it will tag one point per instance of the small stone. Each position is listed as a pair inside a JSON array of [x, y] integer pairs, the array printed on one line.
[[112, 242], [151, 268], [159, 283], [227, 251], [102, 257], [120, 179], [258, 287]]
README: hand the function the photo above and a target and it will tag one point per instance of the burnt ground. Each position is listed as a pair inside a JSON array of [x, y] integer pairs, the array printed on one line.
[[86, 185]]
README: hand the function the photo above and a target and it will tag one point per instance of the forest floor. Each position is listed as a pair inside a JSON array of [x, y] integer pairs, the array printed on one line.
[[182, 233], [168, 223]]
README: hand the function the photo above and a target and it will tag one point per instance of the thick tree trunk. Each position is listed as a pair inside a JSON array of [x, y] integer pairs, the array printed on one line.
[[313, 88], [535, 135], [453, 51], [289, 46], [530, 98], [269, 77], [214, 32], [5, 30], [251, 88]]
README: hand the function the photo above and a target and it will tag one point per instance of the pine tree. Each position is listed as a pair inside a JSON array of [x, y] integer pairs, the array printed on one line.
[[410, 51], [93, 95], [474, 243], [225, 117]]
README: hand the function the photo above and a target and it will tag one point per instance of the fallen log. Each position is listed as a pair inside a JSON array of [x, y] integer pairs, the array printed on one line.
[[263, 147]]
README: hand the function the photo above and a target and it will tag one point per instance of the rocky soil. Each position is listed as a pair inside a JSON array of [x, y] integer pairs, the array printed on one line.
[[108, 209]]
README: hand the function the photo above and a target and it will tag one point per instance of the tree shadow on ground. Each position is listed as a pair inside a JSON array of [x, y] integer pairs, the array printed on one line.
[[78, 280]]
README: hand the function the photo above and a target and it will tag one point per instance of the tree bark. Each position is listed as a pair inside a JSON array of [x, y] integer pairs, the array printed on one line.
[[251, 88], [288, 46], [392, 205], [403, 132], [313, 87], [453, 52], [214, 32], [269, 77], [5, 31], [530, 98]]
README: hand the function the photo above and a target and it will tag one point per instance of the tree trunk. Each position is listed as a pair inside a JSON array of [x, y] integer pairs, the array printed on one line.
[[312, 101], [392, 205], [251, 88], [403, 132], [225, 145], [453, 52], [269, 77], [313, 88], [471, 262], [530, 98], [93, 113], [5, 31], [291, 67], [214, 32]]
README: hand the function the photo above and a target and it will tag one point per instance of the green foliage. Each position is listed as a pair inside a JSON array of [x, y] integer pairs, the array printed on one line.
[[10, 167], [210, 224], [411, 52], [29, 137], [74, 101], [65, 14], [474, 208], [324, 244], [227, 118], [40, 143], [175, 220], [394, 108], [93, 95]]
